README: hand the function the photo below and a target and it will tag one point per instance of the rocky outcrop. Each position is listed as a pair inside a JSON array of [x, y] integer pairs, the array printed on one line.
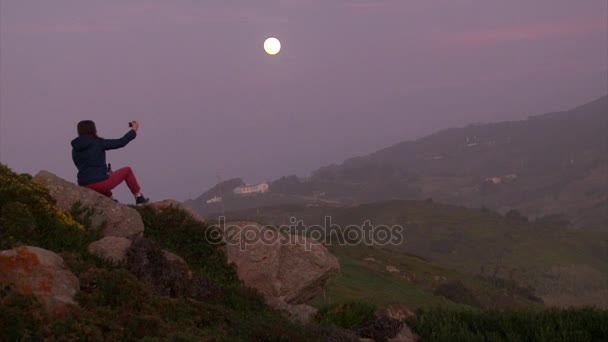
[[116, 219], [281, 267], [37, 271]]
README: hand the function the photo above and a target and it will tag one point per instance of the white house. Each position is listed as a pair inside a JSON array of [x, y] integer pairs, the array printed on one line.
[[259, 188], [500, 179], [214, 199]]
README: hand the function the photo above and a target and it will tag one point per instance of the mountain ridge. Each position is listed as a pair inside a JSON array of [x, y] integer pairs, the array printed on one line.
[[548, 164]]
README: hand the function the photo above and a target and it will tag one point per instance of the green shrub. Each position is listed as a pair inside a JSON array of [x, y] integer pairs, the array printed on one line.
[[512, 286], [20, 316], [29, 216], [379, 327], [457, 292], [345, 315], [176, 231], [515, 216]]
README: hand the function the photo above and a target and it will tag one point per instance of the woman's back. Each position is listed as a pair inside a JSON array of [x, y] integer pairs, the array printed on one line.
[[89, 156]]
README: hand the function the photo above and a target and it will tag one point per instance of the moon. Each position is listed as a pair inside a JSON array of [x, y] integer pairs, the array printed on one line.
[[272, 46]]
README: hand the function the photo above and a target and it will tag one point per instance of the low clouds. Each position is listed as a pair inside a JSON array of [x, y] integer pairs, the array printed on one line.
[[366, 4], [526, 32]]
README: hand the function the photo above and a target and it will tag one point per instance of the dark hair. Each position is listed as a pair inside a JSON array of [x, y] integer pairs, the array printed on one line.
[[87, 127]]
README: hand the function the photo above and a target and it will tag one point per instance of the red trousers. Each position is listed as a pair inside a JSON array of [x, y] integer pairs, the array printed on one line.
[[114, 179]]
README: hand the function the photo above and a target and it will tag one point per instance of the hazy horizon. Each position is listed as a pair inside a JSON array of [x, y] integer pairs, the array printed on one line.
[[353, 77]]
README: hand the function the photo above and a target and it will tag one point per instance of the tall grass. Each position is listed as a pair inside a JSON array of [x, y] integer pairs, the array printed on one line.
[[439, 324]]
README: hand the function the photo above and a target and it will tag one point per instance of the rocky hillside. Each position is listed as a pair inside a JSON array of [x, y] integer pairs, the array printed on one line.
[[77, 266], [74, 265]]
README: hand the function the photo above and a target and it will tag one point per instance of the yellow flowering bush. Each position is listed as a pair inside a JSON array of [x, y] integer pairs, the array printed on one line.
[[21, 188]]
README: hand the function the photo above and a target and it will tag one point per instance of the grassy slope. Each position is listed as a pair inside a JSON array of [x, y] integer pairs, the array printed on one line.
[[365, 276], [565, 266]]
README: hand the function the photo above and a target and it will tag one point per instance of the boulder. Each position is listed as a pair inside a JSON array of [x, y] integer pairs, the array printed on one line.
[[404, 335], [113, 248], [162, 205], [173, 258], [401, 312], [117, 220], [167, 273], [298, 313], [288, 268], [37, 271], [379, 327]]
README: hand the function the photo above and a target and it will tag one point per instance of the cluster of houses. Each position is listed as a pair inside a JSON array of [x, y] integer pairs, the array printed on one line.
[[259, 188], [242, 190]]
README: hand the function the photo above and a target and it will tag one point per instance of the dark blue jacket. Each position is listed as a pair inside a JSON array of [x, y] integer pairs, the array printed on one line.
[[89, 156]]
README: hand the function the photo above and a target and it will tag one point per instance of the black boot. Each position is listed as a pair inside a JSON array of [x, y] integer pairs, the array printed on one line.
[[141, 200]]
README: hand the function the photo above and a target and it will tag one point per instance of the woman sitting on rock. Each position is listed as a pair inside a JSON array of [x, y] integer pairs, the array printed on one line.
[[89, 156]]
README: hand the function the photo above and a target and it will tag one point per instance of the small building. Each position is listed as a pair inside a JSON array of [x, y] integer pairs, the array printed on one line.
[[495, 180], [501, 179], [214, 199], [259, 188]]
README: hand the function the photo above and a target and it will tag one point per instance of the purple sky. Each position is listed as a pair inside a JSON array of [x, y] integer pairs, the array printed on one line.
[[353, 76]]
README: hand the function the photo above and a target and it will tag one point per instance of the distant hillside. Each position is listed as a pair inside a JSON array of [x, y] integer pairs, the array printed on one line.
[[228, 200], [564, 266], [547, 165]]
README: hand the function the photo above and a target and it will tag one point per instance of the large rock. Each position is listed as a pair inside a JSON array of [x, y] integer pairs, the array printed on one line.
[[282, 267], [40, 272], [113, 248], [117, 219]]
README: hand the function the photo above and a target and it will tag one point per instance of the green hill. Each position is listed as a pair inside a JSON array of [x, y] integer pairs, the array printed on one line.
[[564, 266]]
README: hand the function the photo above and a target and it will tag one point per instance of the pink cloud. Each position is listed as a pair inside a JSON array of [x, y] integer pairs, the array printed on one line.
[[526, 32], [370, 4], [58, 28]]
